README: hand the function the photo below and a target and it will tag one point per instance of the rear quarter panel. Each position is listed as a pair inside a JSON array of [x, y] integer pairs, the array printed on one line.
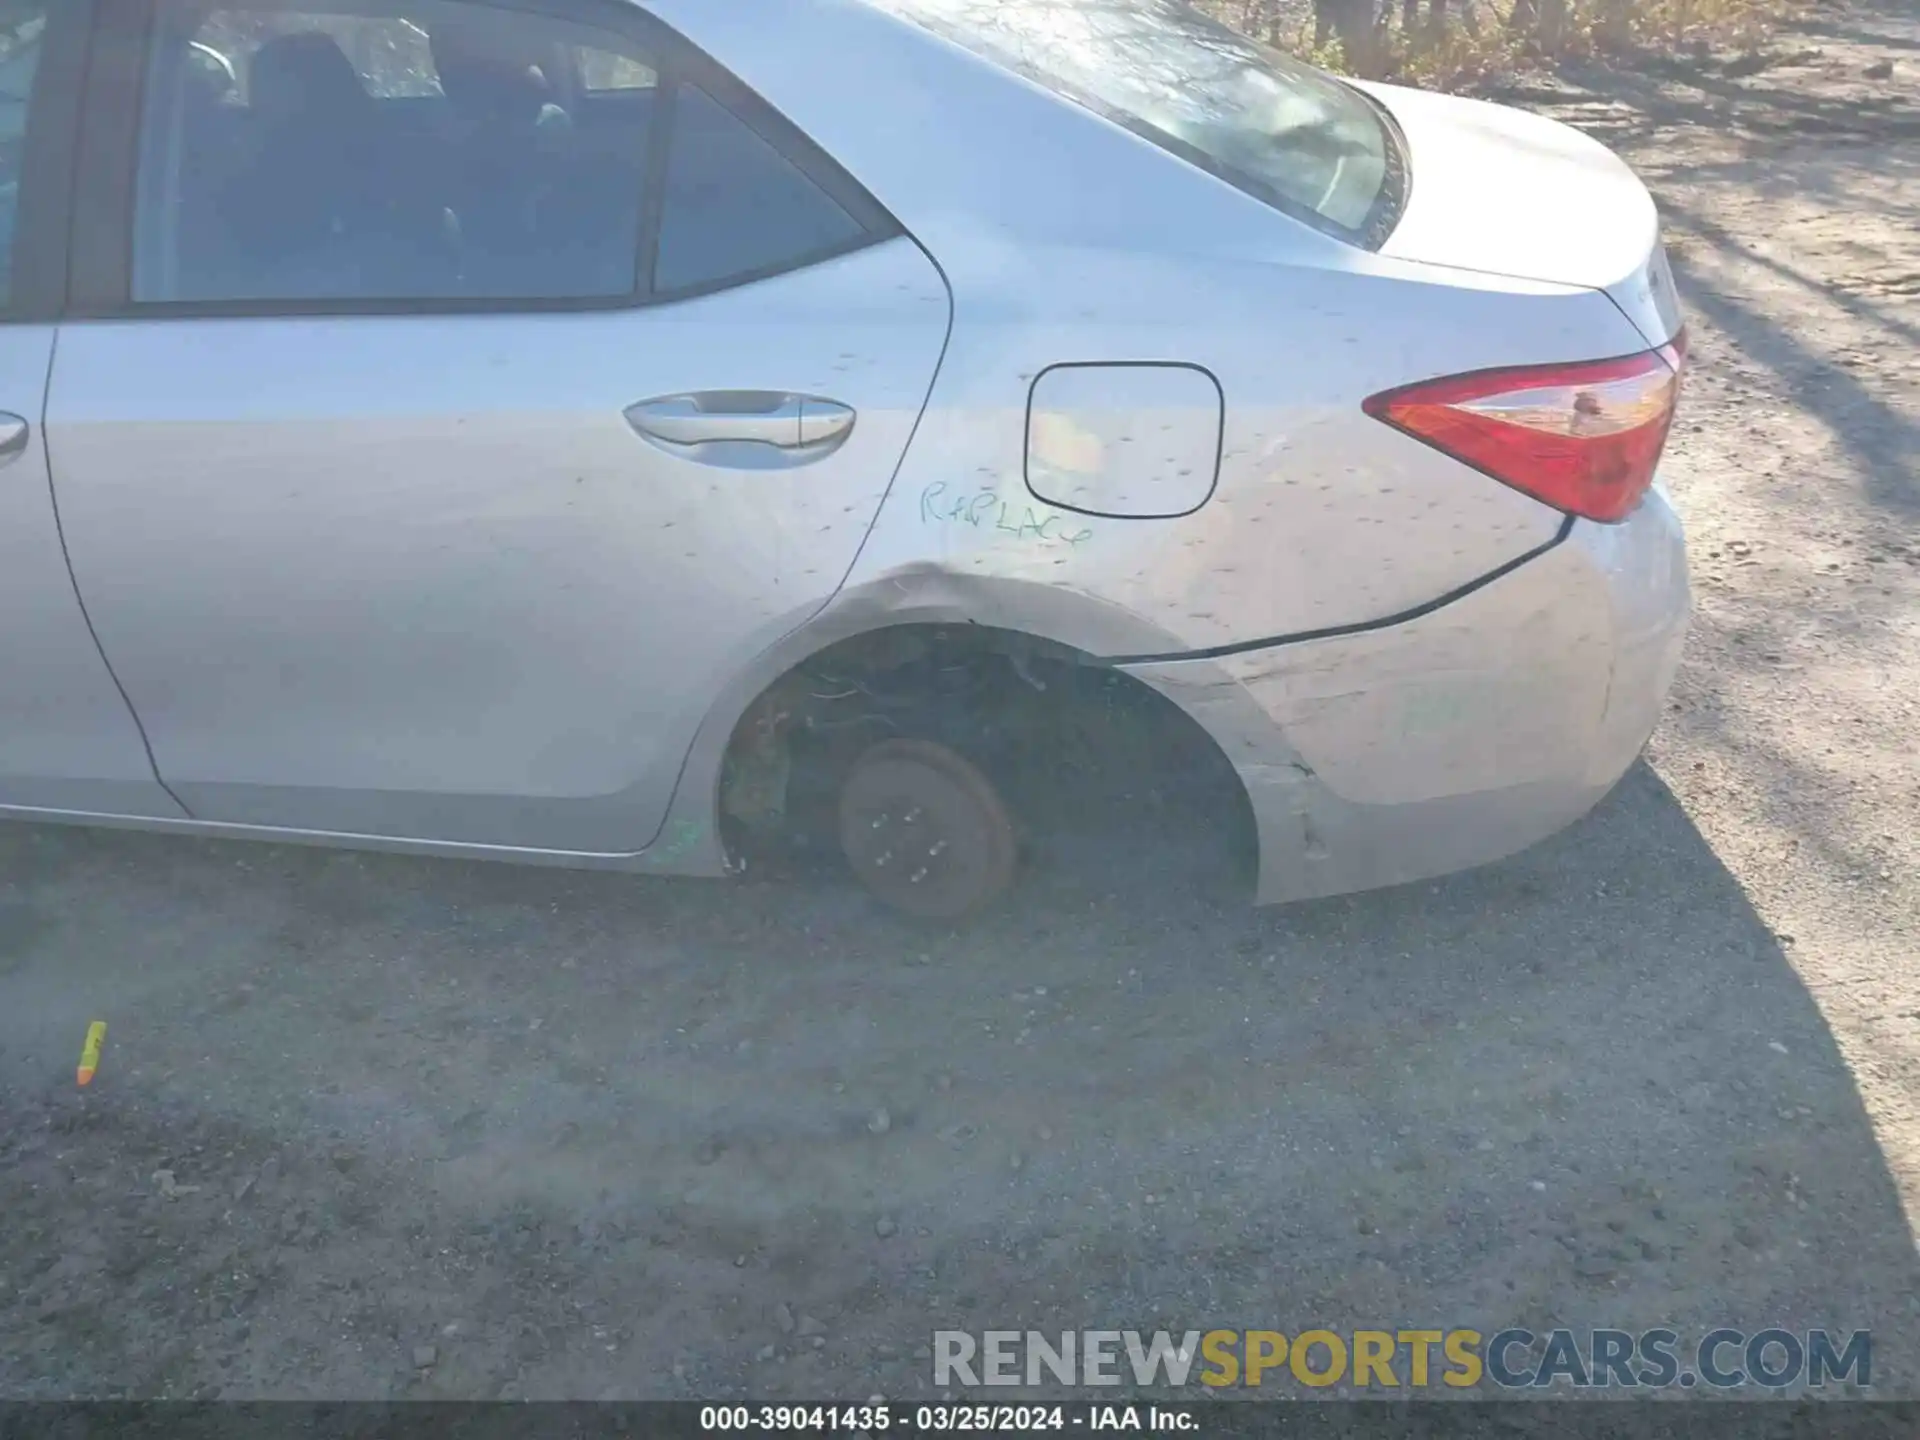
[[1066, 239], [1322, 518]]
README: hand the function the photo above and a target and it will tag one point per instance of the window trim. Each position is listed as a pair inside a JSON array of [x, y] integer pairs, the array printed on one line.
[[43, 214], [787, 141], [105, 191]]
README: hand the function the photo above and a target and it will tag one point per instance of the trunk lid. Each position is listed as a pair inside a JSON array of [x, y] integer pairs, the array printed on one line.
[[1503, 192]]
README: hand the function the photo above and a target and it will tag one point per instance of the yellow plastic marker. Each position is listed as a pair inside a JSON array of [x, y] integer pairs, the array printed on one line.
[[90, 1052]]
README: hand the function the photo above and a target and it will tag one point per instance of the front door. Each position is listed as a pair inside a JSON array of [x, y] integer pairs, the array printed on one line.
[[487, 387]]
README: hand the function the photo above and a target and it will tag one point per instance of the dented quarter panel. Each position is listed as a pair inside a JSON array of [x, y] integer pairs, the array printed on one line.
[[1459, 737], [1504, 686], [1494, 670], [1321, 517], [1409, 749], [1067, 241]]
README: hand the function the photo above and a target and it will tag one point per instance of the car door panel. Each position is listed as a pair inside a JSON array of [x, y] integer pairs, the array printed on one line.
[[67, 739], [419, 576], [68, 743]]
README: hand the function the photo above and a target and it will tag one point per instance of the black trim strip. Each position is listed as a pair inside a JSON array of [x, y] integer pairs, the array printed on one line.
[[793, 144], [1396, 185], [658, 162], [1360, 627], [102, 235], [39, 239]]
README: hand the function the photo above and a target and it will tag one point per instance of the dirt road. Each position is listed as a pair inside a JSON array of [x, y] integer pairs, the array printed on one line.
[[371, 1127]]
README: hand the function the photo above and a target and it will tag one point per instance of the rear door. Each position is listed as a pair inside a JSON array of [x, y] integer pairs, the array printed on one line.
[[67, 739], [462, 394]]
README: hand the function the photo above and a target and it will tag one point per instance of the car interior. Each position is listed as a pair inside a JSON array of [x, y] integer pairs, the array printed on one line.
[[19, 58], [491, 174]]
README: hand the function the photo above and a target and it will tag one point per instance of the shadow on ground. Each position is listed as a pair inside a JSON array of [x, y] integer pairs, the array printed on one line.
[[1881, 439], [432, 1128]]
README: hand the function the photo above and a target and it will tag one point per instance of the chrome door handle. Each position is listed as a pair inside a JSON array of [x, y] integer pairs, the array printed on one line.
[[824, 420], [758, 417], [14, 433], [743, 429]]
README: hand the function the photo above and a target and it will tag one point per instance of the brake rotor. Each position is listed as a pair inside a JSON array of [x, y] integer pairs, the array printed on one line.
[[925, 831]]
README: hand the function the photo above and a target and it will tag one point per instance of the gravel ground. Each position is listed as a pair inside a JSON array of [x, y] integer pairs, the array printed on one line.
[[382, 1127]]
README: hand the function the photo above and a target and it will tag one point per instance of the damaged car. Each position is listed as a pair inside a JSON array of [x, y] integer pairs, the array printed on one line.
[[634, 434]]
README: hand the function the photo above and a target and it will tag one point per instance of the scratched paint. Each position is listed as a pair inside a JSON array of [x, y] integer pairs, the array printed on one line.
[[1430, 709], [984, 509], [683, 836]]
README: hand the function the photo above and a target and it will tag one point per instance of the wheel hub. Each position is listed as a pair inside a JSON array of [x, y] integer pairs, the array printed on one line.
[[924, 830]]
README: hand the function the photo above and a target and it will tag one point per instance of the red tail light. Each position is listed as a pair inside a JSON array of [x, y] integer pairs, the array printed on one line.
[[1583, 437]]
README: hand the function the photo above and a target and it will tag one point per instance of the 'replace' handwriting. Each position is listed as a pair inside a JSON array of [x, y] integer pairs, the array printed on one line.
[[983, 508]]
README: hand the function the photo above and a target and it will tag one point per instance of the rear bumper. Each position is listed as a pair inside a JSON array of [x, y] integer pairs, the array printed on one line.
[[1459, 737]]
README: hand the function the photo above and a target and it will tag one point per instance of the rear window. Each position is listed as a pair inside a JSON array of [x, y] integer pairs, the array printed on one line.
[[1279, 130]]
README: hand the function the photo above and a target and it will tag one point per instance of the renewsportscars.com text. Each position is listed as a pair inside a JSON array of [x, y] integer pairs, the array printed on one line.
[[1458, 1359]]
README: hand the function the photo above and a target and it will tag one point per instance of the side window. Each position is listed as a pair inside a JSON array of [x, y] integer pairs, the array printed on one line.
[[601, 70], [21, 29], [735, 206], [392, 56], [343, 150]]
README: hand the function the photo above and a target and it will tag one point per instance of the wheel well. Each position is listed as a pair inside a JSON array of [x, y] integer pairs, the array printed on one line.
[[1076, 746]]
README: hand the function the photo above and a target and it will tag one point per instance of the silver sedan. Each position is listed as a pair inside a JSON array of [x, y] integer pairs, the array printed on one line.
[[589, 433]]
